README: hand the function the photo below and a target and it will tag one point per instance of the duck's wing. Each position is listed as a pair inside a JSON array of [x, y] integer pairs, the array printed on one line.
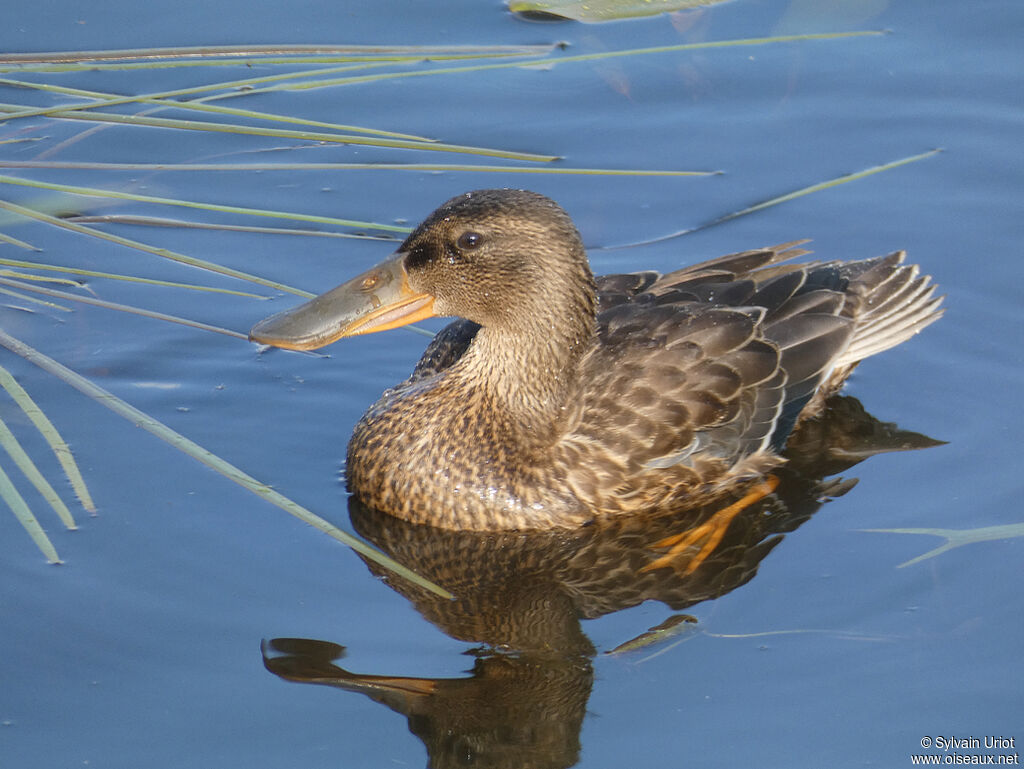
[[616, 289], [447, 346], [672, 397], [704, 372], [613, 290]]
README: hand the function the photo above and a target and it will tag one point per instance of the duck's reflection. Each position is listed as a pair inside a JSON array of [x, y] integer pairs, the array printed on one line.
[[514, 710], [522, 595]]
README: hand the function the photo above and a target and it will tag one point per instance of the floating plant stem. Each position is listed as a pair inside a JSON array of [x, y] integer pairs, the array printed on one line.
[[844, 179], [19, 243], [31, 472], [305, 136], [117, 195], [163, 252], [51, 434], [781, 199], [26, 518], [202, 53], [34, 300], [122, 308], [130, 278], [162, 221], [421, 167], [956, 537], [571, 59], [169, 99], [197, 452]]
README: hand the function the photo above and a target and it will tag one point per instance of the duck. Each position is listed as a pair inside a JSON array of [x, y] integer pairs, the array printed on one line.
[[557, 398]]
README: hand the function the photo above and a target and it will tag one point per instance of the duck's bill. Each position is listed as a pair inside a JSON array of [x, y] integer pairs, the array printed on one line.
[[377, 300]]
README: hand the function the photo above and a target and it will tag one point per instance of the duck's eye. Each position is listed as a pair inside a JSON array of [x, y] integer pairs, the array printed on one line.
[[469, 240]]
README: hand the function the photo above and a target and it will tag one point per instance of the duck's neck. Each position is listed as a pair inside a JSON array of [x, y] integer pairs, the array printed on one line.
[[528, 368]]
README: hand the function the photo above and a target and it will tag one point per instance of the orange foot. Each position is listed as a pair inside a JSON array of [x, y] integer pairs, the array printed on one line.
[[711, 531]]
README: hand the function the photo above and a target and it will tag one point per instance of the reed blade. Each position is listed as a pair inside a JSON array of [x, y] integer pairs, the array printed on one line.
[[420, 167], [52, 436], [123, 308], [162, 252], [197, 452], [19, 243], [31, 472], [129, 278], [26, 518], [97, 192]]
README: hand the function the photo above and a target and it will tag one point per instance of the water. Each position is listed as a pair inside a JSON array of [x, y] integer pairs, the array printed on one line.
[[145, 647]]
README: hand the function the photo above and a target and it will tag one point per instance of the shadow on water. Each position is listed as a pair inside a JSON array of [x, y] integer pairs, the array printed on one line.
[[522, 595]]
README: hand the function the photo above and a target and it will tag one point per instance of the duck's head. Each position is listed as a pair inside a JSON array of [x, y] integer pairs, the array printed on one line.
[[502, 258]]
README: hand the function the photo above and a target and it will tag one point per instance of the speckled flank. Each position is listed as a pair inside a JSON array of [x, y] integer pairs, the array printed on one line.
[[563, 398]]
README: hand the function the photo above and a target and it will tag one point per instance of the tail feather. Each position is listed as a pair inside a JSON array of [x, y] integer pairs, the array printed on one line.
[[893, 302]]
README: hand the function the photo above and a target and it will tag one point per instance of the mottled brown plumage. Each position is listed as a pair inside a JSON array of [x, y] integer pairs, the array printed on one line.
[[519, 598], [560, 398]]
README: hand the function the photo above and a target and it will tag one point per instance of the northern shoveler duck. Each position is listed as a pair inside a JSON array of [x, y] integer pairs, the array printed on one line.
[[558, 397]]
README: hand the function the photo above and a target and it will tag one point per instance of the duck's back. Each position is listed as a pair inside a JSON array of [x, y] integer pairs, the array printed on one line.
[[700, 375]]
